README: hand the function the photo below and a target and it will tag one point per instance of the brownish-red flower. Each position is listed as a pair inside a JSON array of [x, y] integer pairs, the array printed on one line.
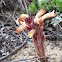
[[35, 27]]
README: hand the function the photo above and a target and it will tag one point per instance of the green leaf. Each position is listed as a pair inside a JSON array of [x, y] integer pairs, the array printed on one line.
[[34, 1], [33, 8], [48, 8], [49, 5], [24, 10], [40, 6]]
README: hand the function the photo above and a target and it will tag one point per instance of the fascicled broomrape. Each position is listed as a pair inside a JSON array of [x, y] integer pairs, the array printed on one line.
[[35, 27]]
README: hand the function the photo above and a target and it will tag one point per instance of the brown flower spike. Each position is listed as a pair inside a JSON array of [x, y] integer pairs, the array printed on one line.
[[35, 27]]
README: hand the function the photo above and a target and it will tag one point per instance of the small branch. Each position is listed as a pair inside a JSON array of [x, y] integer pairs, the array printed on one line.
[[24, 33], [3, 2], [60, 26], [26, 6], [21, 3], [33, 59]]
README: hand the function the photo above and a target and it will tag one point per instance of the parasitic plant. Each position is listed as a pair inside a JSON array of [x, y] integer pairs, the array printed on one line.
[[35, 27]]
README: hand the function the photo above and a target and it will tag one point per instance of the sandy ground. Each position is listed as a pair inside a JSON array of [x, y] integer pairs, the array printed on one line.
[[53, 50]]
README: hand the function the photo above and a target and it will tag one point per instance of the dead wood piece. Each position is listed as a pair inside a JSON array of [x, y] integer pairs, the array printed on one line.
[[14, 51]]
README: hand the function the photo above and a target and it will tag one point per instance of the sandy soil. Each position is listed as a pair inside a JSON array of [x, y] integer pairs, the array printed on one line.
[[53, 50]]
